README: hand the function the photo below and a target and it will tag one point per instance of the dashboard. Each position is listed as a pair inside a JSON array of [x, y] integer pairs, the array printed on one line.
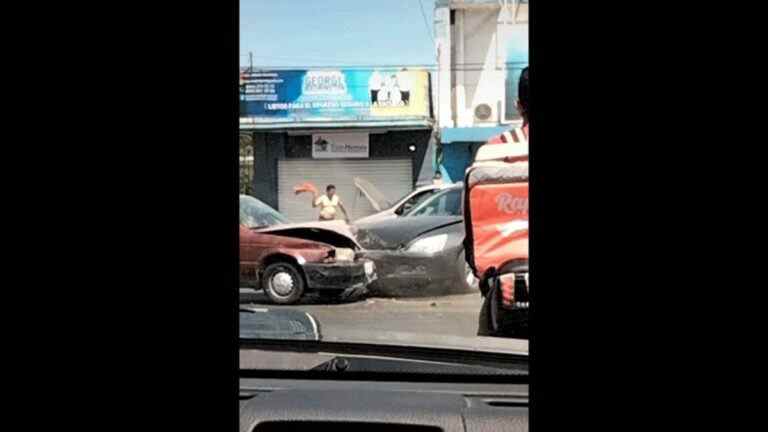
[[277, 405]]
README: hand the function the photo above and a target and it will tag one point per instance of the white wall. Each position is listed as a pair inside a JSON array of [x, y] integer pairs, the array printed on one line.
[[471, 62], [483, 62]]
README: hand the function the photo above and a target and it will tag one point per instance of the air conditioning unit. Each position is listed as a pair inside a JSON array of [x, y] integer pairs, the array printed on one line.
[[483, 112]]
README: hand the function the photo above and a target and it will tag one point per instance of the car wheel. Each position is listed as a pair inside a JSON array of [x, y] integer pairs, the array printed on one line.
[[283, 283], [468, 280]]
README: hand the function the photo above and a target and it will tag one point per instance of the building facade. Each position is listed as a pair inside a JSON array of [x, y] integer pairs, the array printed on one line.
[[481, 47], [329, 126]]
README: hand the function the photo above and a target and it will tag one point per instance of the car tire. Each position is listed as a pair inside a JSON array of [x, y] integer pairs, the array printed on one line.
[[283, 283]]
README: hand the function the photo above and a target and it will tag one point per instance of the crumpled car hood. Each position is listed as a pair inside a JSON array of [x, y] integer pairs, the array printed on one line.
[[377, 199], [396, 232], [335, 227]]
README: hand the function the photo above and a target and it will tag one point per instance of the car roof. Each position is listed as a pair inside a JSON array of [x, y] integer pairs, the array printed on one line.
[[450, 186], [457, 185]]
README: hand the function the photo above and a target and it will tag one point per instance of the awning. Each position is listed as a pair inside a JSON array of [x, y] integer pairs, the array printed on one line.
[[471, 134], [405, 124]]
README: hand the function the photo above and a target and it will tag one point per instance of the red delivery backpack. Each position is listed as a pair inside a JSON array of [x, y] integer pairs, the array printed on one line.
[[496, 241]]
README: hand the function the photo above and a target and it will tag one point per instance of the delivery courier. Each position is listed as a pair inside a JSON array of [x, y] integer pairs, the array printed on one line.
[[496, 225]]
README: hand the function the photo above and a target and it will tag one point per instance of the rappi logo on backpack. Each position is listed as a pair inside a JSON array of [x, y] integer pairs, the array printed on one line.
[[515, 206], [499, 210]]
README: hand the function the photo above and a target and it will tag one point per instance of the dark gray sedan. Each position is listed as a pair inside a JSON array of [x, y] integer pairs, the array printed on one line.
[[421, 252]]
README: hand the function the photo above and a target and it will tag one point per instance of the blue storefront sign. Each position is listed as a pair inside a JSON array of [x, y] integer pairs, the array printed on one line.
[[302, 95]]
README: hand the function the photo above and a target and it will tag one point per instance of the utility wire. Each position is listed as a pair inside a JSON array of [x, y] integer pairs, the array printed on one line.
[[426, 23], [508, 65], [294, 58], [370, 65]]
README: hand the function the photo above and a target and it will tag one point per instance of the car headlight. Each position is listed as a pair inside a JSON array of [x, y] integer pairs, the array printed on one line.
[[345, 254], [369, 267], [429, 245]]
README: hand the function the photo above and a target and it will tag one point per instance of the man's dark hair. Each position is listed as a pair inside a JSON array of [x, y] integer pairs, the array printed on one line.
[[438, 174], [329, 187], [522, 90]]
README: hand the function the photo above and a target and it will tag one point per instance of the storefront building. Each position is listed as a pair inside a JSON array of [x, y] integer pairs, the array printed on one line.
[[482, 47], [329, 126]]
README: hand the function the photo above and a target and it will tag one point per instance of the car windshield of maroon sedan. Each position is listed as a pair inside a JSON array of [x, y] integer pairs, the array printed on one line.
[[256, 214]]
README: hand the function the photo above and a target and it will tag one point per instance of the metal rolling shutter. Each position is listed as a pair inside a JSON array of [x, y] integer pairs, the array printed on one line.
[[393, 177]]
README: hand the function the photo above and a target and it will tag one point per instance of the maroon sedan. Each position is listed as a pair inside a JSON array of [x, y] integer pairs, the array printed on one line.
[[287, 260]]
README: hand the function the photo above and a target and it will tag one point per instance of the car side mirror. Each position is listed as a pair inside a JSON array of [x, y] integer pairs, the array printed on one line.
[[404, 208]]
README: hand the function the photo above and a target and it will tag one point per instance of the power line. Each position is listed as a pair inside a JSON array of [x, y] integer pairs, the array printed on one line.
[[366, 65], [295, 58], [426, 24], [396, 65], [429, 67], [330, 64]]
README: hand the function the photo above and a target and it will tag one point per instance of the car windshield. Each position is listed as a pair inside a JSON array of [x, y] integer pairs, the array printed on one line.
[[445, 203], [406, 195], [396, 235], [256, 214], [412, 199]]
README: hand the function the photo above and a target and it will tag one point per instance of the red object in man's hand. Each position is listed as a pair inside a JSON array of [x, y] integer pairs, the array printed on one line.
[[305, 187]]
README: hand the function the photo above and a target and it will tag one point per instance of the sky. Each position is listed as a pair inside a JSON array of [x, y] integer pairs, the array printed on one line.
[[336, 32]]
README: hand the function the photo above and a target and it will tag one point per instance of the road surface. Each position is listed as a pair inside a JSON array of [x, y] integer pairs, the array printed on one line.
[[454, 315]]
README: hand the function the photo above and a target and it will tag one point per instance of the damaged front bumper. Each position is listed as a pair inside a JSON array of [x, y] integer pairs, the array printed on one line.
[[340, 275], [414, 274]]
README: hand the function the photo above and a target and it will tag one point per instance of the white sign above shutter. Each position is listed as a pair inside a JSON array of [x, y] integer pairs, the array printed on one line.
[[340, 145]]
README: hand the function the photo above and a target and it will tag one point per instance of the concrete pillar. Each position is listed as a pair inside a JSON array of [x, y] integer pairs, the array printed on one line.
[[460, 63], [442, 23], [501, 59]]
